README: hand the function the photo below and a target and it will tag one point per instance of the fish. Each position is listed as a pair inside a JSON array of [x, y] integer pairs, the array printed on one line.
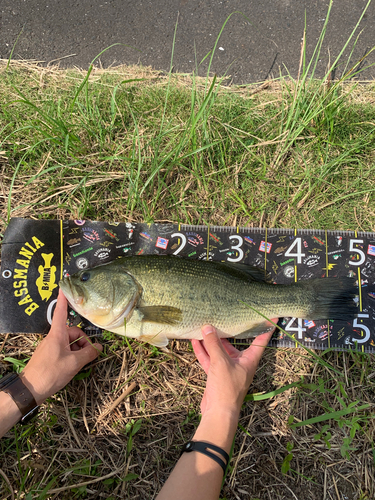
[[154, 298]]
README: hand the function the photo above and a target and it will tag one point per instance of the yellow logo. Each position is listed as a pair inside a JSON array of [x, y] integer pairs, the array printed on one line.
[[330, 267], [47, 277]]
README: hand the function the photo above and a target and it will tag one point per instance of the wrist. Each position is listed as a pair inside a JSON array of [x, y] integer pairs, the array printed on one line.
[[218, 428], [227, 414], [17, 402], [10, 413], [31, 383]]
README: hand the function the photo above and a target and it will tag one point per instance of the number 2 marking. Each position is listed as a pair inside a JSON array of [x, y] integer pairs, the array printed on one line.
[[183, 242]]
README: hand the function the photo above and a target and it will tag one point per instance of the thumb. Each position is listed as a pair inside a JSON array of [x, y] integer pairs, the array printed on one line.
[[212, 342]]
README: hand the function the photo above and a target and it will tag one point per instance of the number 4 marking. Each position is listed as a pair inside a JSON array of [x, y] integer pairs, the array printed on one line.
[[299, 329], [297, 242]]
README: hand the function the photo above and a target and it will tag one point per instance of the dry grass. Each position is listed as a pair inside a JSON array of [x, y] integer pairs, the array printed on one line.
[[80, 438]]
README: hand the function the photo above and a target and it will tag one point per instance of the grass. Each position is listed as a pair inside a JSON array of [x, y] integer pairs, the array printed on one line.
[[132, 144], [220, 156]]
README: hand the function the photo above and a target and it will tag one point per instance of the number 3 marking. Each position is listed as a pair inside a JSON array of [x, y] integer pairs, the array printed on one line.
[[236, 247]]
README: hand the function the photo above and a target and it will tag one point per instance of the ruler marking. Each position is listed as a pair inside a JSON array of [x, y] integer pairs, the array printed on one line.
[[265, 252], [359, 289], [208, 241], [328, 329], [61, 248], [295, 276]]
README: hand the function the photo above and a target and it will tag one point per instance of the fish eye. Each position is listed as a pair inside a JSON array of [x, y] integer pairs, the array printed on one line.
[[85, 276]]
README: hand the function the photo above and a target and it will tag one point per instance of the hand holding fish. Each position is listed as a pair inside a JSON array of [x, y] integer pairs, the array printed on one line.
[[59, 357], [229, 374], [229, 371]]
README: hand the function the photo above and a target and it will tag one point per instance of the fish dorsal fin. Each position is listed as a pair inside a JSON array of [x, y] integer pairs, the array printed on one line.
[[252, 273], [161, 314], [158, 340]]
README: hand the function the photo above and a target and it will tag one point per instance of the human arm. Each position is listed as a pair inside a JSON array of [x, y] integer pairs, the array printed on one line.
[[57, 359], [229, 375]]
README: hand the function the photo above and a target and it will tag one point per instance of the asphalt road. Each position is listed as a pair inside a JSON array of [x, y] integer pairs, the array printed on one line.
[[251, 49]]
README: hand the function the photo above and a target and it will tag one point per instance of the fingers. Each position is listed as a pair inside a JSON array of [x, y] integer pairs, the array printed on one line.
[[230, 349], [88, 353], [255, 351], [78, 340], [77, 336], [212, 343], [61, 310], [201, 354]]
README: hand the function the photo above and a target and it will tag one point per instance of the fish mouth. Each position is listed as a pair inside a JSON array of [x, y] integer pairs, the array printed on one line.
[[67, 289], [66, 285]]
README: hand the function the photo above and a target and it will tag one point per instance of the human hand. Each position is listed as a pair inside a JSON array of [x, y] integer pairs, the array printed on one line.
[[229, 371], [59, 357]]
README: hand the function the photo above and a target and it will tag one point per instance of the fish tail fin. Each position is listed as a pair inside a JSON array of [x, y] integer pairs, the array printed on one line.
[[330, 298]]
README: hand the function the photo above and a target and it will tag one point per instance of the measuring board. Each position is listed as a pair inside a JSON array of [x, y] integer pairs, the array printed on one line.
[[36, 254]]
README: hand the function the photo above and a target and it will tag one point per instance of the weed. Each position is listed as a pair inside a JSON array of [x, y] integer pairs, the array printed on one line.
[[286, 462]]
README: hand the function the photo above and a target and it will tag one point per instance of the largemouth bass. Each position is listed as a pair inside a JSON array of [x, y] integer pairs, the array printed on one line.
[[156, 298]]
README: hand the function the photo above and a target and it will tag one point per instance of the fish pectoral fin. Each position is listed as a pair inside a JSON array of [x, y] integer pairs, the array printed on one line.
[[158, 340], [161, 314], [254, 331]]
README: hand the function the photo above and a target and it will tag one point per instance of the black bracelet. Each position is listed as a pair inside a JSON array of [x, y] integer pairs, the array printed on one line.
[[203, 448]]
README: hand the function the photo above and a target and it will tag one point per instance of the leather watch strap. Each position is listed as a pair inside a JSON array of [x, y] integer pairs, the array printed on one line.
[[12, 384]]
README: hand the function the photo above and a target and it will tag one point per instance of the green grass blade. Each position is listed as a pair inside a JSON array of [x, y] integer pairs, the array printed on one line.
[[272, 394], [330, 416]]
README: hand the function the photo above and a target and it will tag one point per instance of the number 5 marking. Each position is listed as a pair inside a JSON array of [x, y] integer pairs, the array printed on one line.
[[358, 251], [363, 327], [183, 242], [236, 247]]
